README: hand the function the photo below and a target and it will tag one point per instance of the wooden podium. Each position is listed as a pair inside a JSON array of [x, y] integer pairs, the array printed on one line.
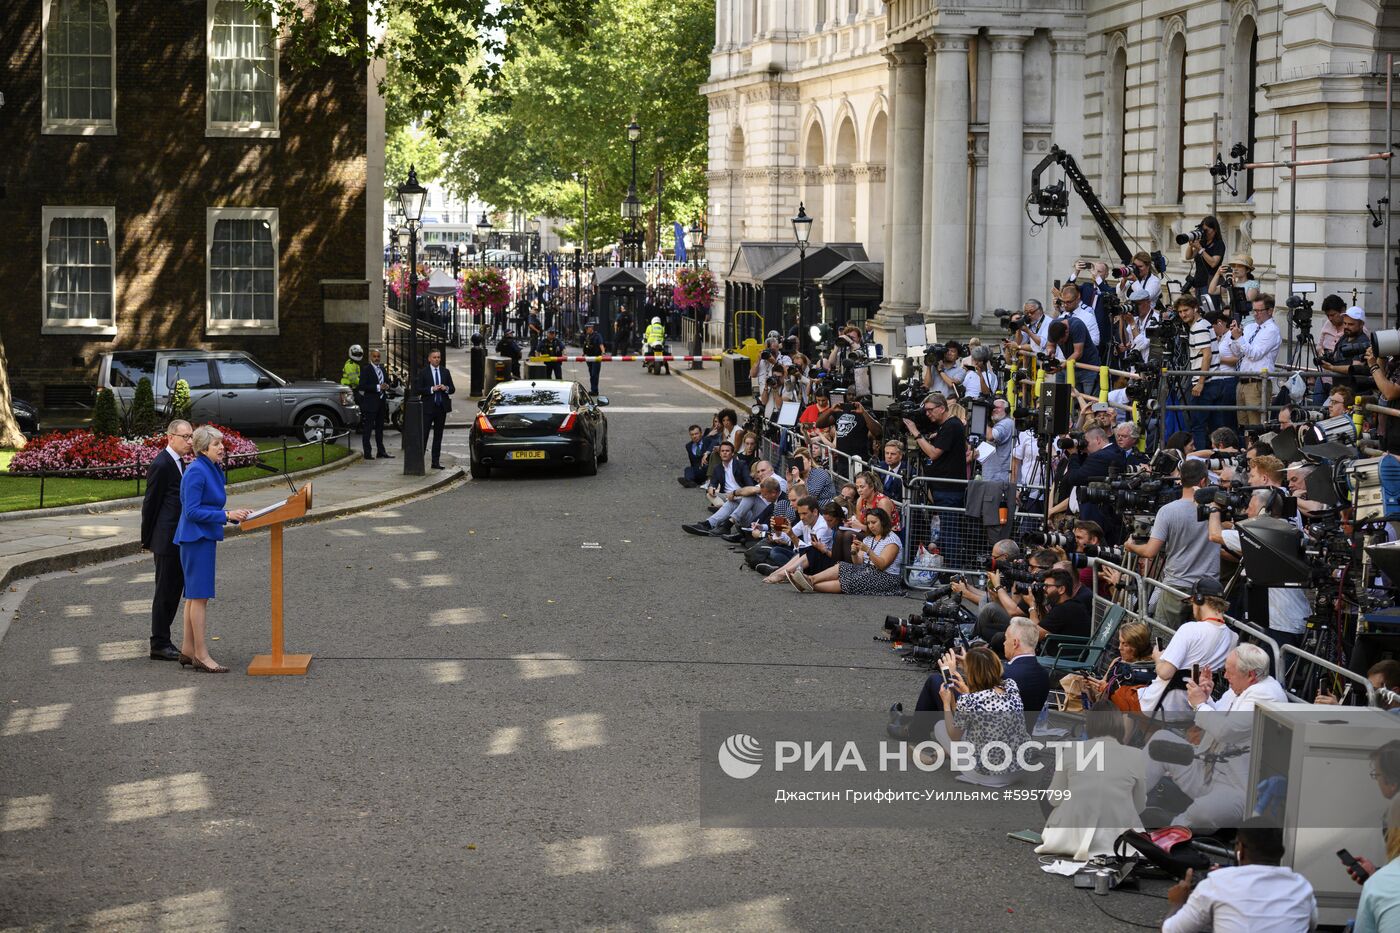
[[278, 662]]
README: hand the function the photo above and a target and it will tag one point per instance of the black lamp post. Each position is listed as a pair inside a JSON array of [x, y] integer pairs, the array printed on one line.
[[697, 242], [802, 230], [631, 205], [411, 197]]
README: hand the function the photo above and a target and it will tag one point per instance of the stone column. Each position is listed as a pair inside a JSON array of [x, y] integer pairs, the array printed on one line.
[[1068, 115], [905, 227], [1005, 184], [947, 246], [930, 145]]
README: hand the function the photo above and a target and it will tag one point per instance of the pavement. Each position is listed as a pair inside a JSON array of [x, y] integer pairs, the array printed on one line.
[[75, 536], [499, 730]]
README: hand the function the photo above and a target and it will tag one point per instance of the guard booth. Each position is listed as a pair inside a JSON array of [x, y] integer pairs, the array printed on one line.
[[850, 292], [763, 279], [618, 287]]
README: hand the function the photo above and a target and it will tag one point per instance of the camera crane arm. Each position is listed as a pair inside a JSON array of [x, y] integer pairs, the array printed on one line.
[[1054, 200]]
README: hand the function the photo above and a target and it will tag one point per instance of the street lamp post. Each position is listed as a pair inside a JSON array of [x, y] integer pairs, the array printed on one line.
[[631, 206], [802, 230], [697, 241], [411, 198]]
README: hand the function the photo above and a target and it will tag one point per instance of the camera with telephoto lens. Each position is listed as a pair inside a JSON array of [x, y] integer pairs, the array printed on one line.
[[1130, 675], [1048, 539], [1114, 555], [1191, 236], [1074, 440], [1012, 321], [1231, 502]]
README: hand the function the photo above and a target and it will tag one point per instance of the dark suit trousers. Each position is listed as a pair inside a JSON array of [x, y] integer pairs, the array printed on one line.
[[170, 587], [434, 421], [373, 422]]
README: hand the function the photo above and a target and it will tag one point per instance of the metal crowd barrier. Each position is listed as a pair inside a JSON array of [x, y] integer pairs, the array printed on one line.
[[961, 540]]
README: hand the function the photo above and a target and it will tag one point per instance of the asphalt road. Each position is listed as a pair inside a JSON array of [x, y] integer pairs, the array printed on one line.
[[436, 769]]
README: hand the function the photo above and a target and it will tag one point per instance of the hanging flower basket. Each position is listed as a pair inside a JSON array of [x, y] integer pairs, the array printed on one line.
[[398, 278], [695, 289], [483, 289]]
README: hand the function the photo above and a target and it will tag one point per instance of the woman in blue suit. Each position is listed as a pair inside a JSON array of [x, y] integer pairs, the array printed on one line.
[[201, 528]]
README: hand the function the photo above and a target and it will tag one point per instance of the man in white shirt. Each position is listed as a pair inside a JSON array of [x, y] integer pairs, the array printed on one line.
[[1204, 641], [979, 380], [798, 540], [1034, 335], [1217, 785], [1135, 328], [1259, 341], [1200, 339], [1258, 895], [1070, 301]]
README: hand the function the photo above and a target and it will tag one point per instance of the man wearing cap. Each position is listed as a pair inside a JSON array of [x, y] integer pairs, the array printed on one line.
[[551, 345], [1135, 328], [979, 380], [1347, 356], [592, 344], [1333, 308]]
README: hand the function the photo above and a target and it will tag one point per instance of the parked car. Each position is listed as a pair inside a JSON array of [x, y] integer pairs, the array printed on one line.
[[27, 416], [231, 387]]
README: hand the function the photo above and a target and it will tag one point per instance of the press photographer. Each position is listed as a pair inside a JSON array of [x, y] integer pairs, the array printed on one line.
[[1071, 338], [1054, 609], [1177, 534], [1205, 248], [1289, 607], [854, 428], [945, 453], [943, 369], [1348, 357], [1139, 275], [1030, 328], [980, 381], [1101, 458]]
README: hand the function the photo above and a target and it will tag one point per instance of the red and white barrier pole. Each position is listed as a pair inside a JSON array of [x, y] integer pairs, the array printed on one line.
[[609, 358]]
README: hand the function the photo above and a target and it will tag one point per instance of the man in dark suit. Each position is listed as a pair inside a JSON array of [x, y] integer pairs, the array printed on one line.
[[695, 452], [435, 388], [160, 513], [373, 404], [729, 481], [1103, 456], [1021, 666]]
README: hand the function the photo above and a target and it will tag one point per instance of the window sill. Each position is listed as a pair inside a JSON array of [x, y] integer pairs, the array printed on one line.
[[235, 131], [237, 328], [92, 329], [79, 129], [1234, 207], [1165, 209]]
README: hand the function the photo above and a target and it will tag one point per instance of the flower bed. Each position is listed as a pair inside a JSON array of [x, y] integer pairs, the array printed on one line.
[[82, 453]]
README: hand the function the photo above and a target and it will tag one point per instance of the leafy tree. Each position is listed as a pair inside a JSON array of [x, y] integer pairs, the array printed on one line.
[[143, 410], [433, 49], [559, 112], [105, 420], [405, 147]]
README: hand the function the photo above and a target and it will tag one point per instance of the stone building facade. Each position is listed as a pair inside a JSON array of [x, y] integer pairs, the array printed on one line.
[[972, 93], [172, 181]]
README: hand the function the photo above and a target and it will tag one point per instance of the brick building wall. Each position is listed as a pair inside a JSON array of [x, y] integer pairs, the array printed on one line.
[[162, 172]]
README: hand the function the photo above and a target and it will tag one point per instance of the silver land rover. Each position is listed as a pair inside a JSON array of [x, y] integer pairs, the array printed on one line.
[[232, 388]]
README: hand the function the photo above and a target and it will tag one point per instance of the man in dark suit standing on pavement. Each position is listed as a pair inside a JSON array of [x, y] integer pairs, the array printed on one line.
[[160, 513], [373, 404], [435, 388]]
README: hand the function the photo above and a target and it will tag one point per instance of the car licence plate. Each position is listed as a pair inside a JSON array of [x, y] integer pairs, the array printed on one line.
[[525, 455]]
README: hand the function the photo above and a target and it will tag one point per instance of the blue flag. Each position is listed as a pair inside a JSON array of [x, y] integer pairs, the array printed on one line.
[[680, 240], [553, 275]]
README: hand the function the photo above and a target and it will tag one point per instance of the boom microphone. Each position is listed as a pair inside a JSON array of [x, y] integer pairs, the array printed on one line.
[[1171, 753]]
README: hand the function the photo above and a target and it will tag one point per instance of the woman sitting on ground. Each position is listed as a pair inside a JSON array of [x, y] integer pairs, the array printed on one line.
[[982, 706], [1102, 800], [874, 567], [869, 496], [748, 450]]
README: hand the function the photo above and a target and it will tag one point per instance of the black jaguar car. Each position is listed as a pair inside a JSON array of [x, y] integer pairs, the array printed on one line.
[[539, 421], [27, 416]]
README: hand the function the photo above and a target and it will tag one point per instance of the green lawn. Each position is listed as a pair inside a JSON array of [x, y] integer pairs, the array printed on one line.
[[22, 492]]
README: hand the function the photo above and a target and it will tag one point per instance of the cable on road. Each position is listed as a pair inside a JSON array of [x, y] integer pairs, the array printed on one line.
[[848, 667]]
